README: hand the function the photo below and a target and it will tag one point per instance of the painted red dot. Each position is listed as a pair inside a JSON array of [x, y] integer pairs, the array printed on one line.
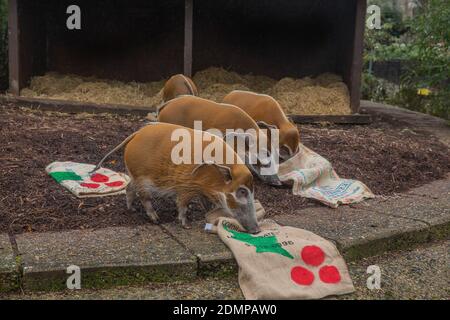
[[98, 177], [329, 274], [302, 276], [90, 185], [313, 255], [114, 184]]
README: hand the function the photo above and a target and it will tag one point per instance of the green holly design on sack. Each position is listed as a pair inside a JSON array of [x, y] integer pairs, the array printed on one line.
[[261, 243]]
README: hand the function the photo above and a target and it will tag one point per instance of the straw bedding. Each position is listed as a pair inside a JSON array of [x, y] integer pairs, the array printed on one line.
[[325, 94]]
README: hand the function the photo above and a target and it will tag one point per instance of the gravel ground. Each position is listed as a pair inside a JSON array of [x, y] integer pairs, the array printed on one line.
[[421, 273]]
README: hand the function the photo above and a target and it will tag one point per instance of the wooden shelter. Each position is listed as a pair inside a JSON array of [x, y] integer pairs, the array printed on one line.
[[143, 40]]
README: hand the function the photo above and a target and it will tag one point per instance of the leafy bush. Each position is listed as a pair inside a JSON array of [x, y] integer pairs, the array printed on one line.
[[392, 27], [3, 45], [430, 45], [377, 89], [424, 43]]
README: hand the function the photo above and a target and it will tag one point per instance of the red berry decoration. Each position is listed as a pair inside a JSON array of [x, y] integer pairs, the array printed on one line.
[[313, 255], [98, 177], [90, 185], [114, 184], [329, 274], [302, 276]]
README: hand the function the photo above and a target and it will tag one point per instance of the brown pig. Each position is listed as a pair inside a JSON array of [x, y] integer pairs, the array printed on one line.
[[267, 112], [186, 110], [179, 85], [154, 167]]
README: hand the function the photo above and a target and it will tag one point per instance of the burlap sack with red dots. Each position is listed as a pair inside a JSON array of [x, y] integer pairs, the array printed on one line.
[[285, 262], [79, 179]]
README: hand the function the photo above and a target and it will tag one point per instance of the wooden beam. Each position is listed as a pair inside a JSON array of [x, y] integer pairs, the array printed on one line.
[[75, 106], [13, 45], [357, 56], [78, 107], [344, 119], [188, 26]]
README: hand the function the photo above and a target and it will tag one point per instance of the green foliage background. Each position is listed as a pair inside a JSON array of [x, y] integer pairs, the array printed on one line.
[[423, 44], [3, 45]]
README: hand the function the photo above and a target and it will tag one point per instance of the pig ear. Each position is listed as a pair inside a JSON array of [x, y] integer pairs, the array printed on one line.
[[263, 124], [224, 170]]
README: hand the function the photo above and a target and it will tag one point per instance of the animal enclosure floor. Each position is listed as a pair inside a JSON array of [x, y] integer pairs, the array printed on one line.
[[388, 157]]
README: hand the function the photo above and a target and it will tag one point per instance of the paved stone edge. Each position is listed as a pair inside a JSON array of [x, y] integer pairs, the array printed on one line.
[[10, 272], [116, 275], [111, 276]]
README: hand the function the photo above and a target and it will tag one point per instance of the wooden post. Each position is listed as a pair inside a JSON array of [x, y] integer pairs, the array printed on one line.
[[357, 55], [13, 45], [188, 21]]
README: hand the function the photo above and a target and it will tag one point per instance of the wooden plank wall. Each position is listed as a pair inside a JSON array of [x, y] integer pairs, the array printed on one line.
[[188, 36], [357, 56], [28, 52], [13, 44]]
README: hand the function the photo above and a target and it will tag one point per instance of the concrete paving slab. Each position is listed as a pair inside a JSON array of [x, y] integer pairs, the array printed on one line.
[[110, 256], [437, 126], [358, 233], [435, 189], [214, 257], [429, 204], [434, 212], [9, 276]]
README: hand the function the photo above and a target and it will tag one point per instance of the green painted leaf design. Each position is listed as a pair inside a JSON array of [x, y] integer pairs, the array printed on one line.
[[261, 243], [65, 175]]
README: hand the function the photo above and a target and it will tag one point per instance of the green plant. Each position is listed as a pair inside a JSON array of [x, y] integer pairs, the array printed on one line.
[[430, 57], [430, 43], [378, 42], [422, 42]]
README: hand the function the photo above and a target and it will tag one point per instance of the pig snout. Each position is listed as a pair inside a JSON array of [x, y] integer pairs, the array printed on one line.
[[255, 230], [246, 215], [273, 180], [252, 228]]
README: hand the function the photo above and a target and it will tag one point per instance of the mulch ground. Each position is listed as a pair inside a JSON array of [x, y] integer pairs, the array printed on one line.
[[389, 157]]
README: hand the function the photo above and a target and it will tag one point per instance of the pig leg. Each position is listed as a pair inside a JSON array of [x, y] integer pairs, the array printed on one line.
[[144, 191], [131, 195], [182, 206], [151, 213], [206, 204]]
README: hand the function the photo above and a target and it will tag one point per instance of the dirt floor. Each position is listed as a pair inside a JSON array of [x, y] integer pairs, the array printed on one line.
[[388, 157]]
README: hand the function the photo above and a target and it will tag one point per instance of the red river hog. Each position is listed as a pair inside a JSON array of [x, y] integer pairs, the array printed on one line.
[[153, 163], [179, 85], [267, 112], [187, 110]]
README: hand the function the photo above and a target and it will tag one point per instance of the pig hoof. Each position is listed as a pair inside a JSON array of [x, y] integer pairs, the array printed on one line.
[[155, 221], [153, 217], [184, 223]]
